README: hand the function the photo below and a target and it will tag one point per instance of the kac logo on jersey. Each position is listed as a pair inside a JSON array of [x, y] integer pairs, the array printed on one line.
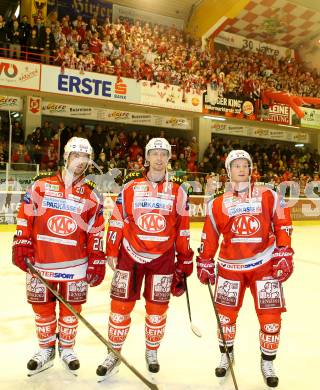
[[245, 225], [62, 225], [152, 223]]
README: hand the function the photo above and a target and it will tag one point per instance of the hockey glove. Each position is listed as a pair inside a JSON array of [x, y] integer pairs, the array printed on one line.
[[178, 286], [181, 268], [205, 271], [185, 266], [22, 249], [96, 269], [282, 263]]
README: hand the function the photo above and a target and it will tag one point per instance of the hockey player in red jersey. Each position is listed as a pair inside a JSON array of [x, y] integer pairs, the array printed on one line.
[[148, 229], [60, 229], [255, 252]]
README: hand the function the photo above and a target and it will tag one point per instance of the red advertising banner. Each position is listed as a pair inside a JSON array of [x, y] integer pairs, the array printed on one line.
[[278, 113]]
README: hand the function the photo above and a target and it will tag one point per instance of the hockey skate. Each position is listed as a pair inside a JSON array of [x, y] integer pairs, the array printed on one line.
[[69, 359], [109, 367], [41, 360], [223, 366], [268, 373], [153, 365]]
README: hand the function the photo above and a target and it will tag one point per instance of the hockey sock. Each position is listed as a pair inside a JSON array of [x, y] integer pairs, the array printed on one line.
[[155, 324], [45, 320], [119, 322], [229, 332], [68, 326], [269, 334], [269, 343]]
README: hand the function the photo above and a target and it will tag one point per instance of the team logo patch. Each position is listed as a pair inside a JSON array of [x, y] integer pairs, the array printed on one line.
[[227, 292], [69, 319], [161, 287], [245, 225], [271, 328], [120, 284], [224, 319], [62, 225], [77, 291], [152, 223], [269, 294]]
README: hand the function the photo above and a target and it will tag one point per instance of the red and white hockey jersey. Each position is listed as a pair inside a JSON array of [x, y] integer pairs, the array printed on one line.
[[250, 228], [150, 219], [65, 224]]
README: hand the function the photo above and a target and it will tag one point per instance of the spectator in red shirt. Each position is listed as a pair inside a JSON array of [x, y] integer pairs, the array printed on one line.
[[134, 151], [21, 156], [95, 44], [49, 159]]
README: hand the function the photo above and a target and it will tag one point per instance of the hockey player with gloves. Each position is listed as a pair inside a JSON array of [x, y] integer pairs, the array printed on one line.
[[148, 230], [60, 229], [255, 252]]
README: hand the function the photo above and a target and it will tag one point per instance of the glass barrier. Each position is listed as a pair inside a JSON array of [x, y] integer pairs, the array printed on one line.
[[17, 177]]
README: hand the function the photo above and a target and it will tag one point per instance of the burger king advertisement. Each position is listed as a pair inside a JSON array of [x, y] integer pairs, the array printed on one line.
[[233, 107]]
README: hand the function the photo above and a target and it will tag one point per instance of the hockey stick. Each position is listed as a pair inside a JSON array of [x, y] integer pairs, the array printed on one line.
[[91, 328], [194, 329], [223, 338]]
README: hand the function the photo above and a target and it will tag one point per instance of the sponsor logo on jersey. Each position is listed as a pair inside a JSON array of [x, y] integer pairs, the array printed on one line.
[[269, 294], [165, 196], [51, 187], [282, 203], [245, 225], [22, 222], [76, 198], [62, 205], [119, 198], [27, 198], [254, 208], [143, 194], [153, 203], [53, 193], [152, 223], [140, 187], [240, 267], [56, 275], [117, 224], [62, 225]]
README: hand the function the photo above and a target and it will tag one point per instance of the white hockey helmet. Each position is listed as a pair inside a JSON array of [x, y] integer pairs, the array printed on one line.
[[77, 144], [158, 143], [234, 155]]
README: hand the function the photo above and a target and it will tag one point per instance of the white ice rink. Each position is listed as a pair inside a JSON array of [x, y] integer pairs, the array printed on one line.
[[187, 362]]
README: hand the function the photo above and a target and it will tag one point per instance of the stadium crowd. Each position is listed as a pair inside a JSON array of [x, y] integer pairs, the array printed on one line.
[[155, 53], [115, 147], [158, 54]]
